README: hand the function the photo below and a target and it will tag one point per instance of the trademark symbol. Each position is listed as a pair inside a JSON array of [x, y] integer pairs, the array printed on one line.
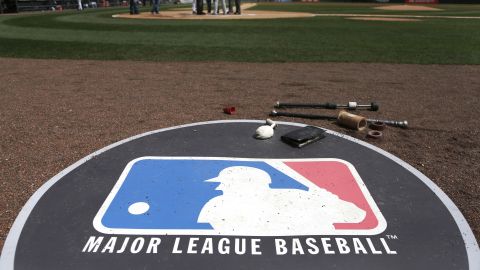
[[392, 236]]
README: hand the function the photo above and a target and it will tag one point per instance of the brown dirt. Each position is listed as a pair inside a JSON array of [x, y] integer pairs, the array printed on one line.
[[54, 112], [382, 19], [186, 14], [407, 8]]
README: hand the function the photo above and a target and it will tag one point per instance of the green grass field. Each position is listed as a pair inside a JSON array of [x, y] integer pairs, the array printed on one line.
[[94, 34]]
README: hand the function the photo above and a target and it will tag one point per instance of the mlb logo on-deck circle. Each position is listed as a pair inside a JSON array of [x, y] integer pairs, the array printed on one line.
[[241, 197]]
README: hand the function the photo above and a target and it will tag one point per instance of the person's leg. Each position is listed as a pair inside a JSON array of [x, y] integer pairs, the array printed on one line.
[[209, 6], [215, 7], [237, 7], [224, 7], [200, 7], [230, 8], [155, 7], [194, 6]]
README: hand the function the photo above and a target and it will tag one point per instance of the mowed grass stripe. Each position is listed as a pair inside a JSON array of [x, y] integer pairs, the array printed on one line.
[[83, 50], [96, 35]]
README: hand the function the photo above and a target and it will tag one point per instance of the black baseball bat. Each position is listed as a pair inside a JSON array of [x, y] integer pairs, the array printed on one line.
[[331, 106], [402, 124]]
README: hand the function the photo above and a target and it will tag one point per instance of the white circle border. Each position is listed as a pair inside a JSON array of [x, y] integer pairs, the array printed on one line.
[[7, 257]]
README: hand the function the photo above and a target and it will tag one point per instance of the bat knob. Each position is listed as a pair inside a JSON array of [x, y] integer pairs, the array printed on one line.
[[374, 106], [271, 123]]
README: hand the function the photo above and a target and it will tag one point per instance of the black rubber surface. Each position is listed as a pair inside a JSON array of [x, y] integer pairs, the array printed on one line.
[[61, 223]]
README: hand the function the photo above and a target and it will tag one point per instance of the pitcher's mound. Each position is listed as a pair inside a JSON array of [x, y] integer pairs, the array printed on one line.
[[187, 15], [407, 7]]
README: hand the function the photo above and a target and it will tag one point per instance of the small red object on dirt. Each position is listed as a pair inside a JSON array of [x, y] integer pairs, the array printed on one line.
[[229, 110]]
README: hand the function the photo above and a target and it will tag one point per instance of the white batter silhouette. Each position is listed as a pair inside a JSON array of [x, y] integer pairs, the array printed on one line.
[[248, 206]]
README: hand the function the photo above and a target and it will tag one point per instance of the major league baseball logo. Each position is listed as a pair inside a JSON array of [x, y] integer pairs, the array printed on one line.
[[239, 197]]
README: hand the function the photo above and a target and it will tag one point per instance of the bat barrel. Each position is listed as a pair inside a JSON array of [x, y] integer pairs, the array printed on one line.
[[401, 124]]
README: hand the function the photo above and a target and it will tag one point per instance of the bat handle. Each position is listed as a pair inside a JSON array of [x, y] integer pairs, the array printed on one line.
[[372, 106], [301, 115]]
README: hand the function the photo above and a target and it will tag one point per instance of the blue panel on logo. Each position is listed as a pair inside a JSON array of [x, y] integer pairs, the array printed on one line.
[[170, 193]]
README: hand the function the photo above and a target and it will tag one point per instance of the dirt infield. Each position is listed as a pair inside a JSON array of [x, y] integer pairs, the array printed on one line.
[[54, 112], [407, 8], [186, 14]]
